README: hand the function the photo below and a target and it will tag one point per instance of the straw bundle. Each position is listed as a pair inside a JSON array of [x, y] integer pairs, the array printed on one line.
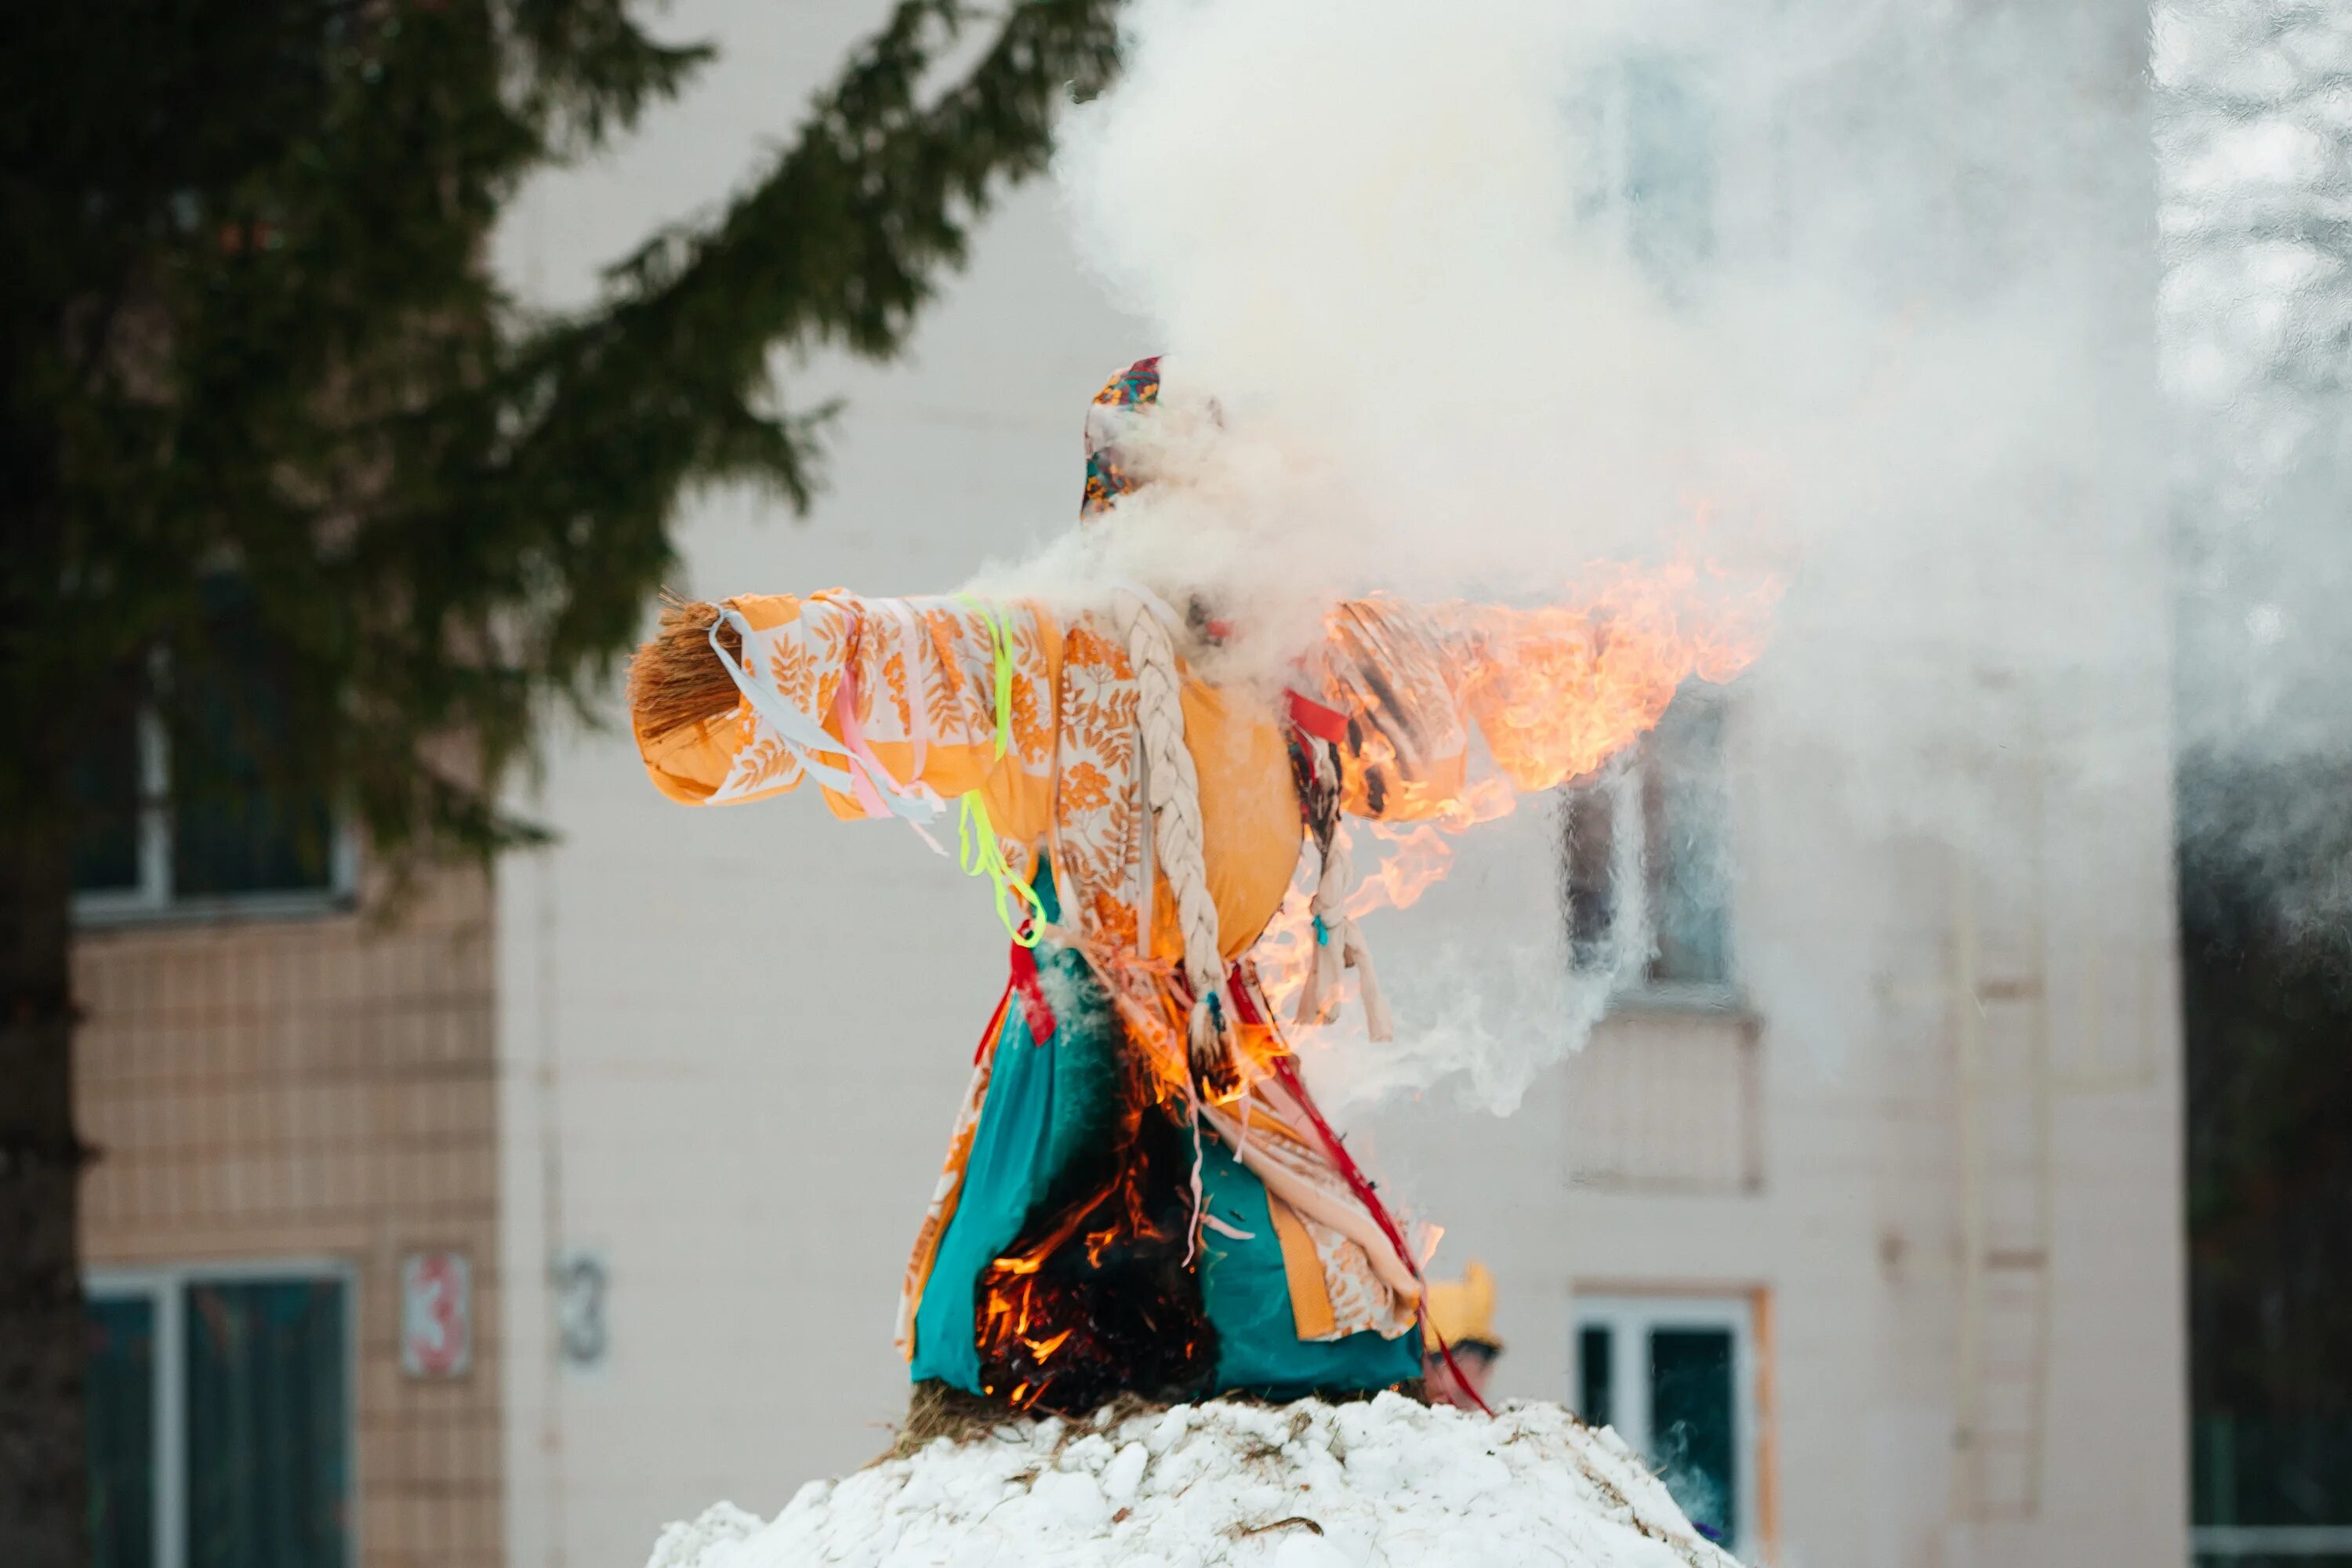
[[675, 679]]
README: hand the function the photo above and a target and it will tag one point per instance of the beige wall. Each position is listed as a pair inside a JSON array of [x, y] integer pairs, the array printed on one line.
[[318, 1089]]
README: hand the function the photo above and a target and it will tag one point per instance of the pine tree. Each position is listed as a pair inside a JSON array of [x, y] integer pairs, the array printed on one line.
[[262, 394]]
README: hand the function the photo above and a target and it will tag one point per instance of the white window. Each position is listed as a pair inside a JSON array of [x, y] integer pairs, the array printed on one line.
[[1650, 172], [1646, 870], [179, 823], [1675, 1378], [219, 1409]]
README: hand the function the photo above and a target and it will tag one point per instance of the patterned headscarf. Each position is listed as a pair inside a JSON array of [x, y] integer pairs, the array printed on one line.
[[1135, 387]]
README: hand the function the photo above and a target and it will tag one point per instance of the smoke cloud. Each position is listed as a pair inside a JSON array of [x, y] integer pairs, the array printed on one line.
[[1851, 305], [2256, 145]]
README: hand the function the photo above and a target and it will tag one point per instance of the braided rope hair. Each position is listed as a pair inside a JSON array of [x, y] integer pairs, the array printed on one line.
[[1172, 793]]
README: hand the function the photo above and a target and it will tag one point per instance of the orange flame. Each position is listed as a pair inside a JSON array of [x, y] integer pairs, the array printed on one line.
[[1557, 691]]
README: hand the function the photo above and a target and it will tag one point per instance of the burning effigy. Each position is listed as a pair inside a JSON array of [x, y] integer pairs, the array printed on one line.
[[1141, 1195]]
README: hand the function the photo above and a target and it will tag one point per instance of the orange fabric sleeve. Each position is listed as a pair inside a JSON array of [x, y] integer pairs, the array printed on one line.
[[917, 678]]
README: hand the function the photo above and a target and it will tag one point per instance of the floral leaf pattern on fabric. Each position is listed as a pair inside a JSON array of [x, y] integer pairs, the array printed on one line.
[[945, 632], [1097, 819], [763, 763], [1083, 786], [885, 650], [893, 676]]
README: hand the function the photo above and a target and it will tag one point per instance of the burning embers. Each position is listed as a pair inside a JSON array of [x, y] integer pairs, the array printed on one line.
[[1093, 1297]]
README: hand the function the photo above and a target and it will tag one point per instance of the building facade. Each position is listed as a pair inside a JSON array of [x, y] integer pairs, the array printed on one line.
[[292, 1234]]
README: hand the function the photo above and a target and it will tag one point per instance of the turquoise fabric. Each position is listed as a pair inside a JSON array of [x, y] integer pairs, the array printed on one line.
[[999, 1179], [1043, 1104], [1248, 1300]]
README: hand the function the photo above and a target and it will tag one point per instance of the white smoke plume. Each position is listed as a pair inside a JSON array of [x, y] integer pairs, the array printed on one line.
[[2255, 132], [1855, 300]]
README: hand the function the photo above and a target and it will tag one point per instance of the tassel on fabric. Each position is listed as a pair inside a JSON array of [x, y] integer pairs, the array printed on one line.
[[1210, 1041], [1339, 946]]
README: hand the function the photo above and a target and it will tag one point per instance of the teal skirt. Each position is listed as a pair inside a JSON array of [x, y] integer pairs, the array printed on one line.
[[1053, 1125]]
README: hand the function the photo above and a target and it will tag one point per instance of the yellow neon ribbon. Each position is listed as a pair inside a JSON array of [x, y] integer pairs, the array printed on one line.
[[1000, 639], [982, 855], [977, 846]]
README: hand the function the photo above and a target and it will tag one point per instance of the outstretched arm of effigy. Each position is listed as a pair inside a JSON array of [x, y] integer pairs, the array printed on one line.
[[1555, 692], [891, 705]]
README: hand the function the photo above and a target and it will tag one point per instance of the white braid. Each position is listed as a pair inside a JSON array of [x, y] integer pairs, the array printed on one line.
[[1173, 789], [1337, 946]]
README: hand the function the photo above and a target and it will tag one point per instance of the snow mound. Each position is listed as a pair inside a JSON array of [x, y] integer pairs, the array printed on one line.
[[1387, 1481]]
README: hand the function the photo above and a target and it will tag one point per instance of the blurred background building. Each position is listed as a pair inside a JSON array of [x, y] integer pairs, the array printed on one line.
[[563, 1204]]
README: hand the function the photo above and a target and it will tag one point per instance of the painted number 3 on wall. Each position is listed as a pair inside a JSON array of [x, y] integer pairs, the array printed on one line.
[[580, 1308]]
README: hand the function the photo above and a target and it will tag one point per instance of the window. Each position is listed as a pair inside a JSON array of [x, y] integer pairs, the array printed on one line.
[[1651, 182], [120, 1386], [219, 1407], [175, 817], [1672, 1376], [1646, 869]]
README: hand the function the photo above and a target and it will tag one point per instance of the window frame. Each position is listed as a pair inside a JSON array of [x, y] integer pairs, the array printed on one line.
[[1747, 178], [165, 1287], [1626, 778], [153, 901], [1631, 1319]]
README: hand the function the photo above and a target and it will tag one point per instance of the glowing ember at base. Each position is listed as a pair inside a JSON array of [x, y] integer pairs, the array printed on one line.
[[1095, 1295]]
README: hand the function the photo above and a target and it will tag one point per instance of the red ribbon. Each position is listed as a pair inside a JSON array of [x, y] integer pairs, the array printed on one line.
[[1314, 719], [1287, 1070], [996, 1023], [1032, 993]]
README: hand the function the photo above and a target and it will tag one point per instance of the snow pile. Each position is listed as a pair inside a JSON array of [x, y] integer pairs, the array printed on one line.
[[1298, 1486]]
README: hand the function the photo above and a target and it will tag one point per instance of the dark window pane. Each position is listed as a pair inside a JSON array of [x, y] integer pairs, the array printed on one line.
[[1688, 867], [1590, 871], [269, 1424], [2272, 1470], [1694, 1425], [106, 791], [119, 1392], [1596, 1375], [228, 834], [247, 846]]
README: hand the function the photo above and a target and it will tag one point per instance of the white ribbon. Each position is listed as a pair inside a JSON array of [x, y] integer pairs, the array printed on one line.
[[808, 740]]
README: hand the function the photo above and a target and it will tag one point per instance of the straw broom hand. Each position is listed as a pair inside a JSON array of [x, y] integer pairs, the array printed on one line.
[[676, 679]]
